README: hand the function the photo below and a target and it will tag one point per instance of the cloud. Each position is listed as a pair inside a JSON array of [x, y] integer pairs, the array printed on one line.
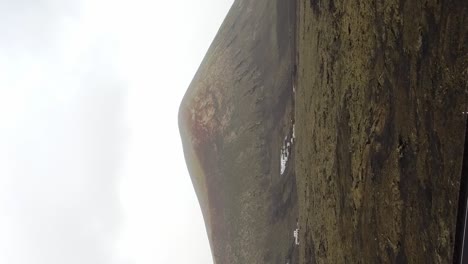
[[59, 188], [32, 25], [71, 73], [62, 138]]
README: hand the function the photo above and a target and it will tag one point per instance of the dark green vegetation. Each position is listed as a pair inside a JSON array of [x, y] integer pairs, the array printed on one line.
[[381, 87]]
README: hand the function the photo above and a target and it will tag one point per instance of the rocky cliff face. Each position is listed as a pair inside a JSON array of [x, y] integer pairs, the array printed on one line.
[[236, 122], [346, 114]]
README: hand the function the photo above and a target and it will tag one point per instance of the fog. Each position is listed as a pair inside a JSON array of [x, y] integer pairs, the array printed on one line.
[[91, 164]]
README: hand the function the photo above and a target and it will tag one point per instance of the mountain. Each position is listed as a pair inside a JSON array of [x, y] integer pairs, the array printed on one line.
[[343, 118], [235, 119]]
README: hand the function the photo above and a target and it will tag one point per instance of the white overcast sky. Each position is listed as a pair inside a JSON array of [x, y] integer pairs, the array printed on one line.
[[91, 164]]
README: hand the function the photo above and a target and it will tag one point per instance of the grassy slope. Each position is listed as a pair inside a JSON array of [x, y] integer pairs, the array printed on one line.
[[381, 88], [233, 120]]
